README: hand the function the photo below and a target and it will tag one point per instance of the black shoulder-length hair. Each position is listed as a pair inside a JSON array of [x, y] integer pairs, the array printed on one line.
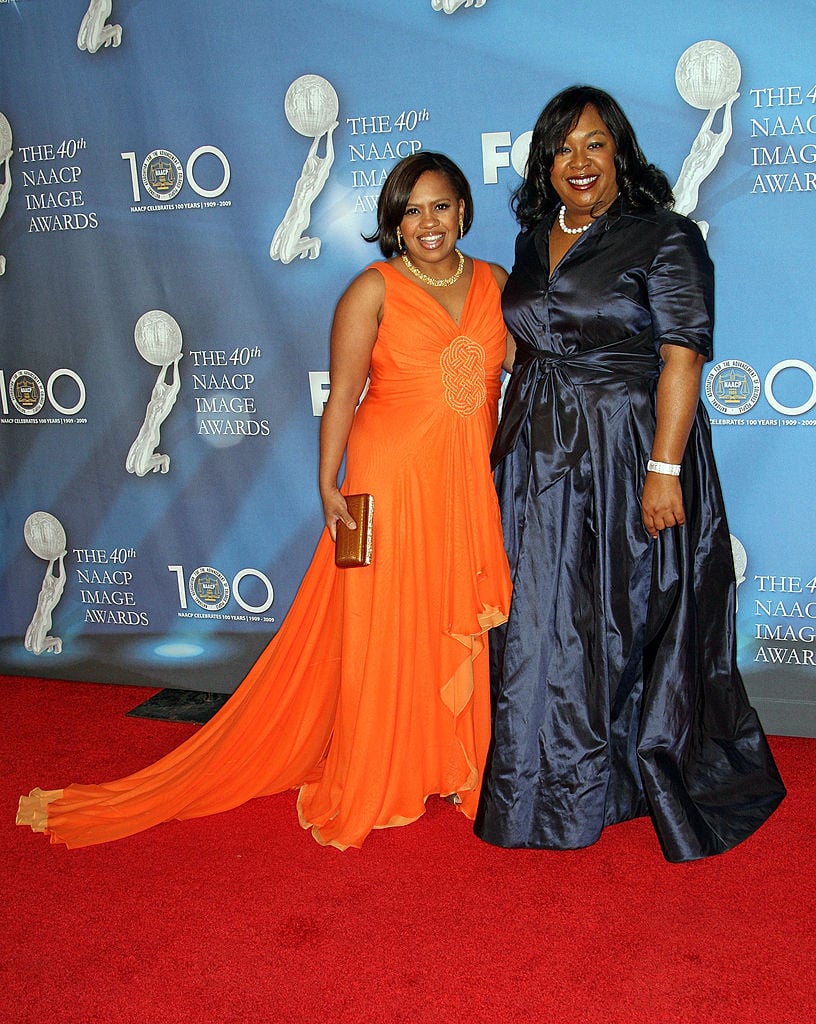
[[641, 184], [397, 189]]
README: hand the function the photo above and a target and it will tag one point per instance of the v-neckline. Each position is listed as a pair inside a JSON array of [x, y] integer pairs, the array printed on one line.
[[436, 302], [543, 247]]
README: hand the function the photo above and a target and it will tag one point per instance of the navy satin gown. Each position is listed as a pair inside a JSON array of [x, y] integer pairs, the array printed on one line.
[[614, 682]]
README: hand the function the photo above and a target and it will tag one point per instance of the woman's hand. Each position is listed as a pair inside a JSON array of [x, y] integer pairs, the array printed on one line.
[[661, 503], [334, 510]]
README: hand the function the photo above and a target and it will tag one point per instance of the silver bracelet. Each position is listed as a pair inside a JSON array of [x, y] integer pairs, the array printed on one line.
[[666, 468]]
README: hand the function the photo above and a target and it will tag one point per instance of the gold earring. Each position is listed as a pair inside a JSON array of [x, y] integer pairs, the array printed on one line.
[[461, 226], [399, 239]]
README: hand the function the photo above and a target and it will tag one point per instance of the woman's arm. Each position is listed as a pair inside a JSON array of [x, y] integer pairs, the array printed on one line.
[[354, 331], [509, 353], [501, 276], [678, 393], [681, 299]]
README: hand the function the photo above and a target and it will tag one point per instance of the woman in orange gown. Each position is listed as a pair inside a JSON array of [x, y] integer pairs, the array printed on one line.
[[374, 693]]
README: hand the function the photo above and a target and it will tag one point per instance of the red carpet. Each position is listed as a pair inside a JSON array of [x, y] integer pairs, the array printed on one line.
[[243, 917]]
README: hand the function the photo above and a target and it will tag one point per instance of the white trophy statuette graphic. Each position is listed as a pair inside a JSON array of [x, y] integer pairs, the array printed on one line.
[[158, 339], [311, 107], [740, 557], [5, 184], [45, 536], [449, 6], [93, 32], [707, 76]]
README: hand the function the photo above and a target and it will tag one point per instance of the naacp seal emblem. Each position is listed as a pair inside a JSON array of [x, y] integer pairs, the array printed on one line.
[[732, 387], [162, 174], [26, 392], [209, 588]]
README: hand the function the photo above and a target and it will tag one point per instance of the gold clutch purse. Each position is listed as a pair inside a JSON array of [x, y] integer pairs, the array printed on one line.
[[354, 547]]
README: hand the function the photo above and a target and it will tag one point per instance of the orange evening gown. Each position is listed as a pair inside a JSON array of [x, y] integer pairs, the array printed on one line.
[[374, 693]]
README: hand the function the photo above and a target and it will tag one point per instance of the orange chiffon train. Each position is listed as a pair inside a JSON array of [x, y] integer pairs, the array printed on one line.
[[374, 693]]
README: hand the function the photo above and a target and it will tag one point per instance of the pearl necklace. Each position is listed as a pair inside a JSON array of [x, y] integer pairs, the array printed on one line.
[[570, 231], [436, 282]]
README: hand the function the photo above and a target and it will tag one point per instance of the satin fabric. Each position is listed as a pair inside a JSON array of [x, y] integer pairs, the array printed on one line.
[[374, 693], [614, 682]]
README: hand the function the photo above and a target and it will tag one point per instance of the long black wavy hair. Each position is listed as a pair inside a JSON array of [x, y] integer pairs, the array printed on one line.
[[640, 183], [397, 191]]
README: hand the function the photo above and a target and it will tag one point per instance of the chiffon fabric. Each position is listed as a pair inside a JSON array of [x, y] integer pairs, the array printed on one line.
[[374, 693], [616, 692]]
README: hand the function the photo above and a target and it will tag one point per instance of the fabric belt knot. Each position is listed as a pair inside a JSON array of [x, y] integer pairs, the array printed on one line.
[[545, 388]]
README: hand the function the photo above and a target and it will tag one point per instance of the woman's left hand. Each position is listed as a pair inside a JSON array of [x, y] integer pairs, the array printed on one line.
[[661, 503]]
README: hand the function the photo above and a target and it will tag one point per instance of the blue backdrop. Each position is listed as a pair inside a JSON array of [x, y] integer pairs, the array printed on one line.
[[183, 189]]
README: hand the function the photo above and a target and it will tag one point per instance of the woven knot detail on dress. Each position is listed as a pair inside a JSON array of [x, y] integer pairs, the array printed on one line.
[[463, 375]]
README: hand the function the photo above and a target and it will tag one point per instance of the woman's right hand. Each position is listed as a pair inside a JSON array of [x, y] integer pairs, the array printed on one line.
[[335, 509], [661, 503]]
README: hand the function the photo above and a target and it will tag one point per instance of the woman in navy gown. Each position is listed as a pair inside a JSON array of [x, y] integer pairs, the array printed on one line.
[[614, 682]]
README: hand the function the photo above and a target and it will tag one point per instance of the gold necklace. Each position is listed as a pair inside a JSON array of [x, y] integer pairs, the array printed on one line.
[[436, 282]]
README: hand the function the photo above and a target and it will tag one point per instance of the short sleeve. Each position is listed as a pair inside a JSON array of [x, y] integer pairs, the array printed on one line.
[[680, 286]]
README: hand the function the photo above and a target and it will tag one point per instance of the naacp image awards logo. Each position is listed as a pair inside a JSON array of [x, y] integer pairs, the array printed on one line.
[[732, 387]]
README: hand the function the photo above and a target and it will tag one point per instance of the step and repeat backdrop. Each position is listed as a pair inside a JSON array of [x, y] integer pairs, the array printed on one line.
[[183, 189]]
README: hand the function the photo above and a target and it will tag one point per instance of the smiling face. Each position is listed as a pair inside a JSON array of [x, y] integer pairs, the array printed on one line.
[[583, 171], [430, 225]]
